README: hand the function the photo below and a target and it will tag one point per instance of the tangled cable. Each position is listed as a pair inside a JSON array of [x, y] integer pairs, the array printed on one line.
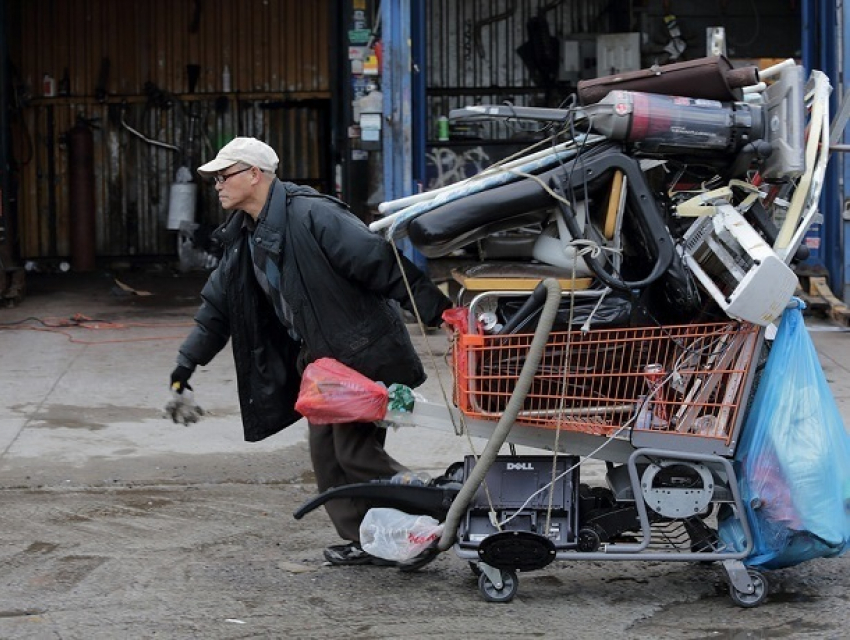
[[78, 320]]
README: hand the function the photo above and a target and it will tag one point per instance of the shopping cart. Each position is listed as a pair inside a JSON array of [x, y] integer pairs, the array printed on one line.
[[661, 405], [677, 383]]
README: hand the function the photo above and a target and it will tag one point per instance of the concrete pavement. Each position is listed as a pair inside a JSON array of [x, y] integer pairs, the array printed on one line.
[[82, 404], [119, 524]]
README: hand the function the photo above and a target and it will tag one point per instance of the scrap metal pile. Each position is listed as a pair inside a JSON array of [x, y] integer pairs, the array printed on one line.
[[687, 188], [664, 211]]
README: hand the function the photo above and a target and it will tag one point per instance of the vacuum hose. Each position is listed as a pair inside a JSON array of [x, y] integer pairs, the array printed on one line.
[[506, 422]]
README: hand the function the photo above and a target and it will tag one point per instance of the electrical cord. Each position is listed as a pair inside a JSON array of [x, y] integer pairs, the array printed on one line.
[[626, 426], [58, 325]]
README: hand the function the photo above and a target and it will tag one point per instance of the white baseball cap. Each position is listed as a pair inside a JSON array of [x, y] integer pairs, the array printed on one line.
[[248, 151]]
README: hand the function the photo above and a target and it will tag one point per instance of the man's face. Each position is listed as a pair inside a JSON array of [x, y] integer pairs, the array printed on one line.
[[234, 186]]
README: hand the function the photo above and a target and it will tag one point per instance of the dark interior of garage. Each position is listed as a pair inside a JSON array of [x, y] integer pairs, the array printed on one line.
[[108, 107]]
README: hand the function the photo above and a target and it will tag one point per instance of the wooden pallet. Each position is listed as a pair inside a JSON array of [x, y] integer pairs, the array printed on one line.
[[820, 299]]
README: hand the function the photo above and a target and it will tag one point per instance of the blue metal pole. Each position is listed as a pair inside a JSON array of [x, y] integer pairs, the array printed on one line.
[[395, 17], [807, 35], [419, 78], [390, 44], [842, 158], [398, 118], [830, 197], [819, 44]]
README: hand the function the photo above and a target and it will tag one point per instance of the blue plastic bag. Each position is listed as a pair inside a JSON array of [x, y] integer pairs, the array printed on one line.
[[793, 459]]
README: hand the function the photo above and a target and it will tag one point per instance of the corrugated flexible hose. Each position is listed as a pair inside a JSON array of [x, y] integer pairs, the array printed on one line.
[[506, 422]]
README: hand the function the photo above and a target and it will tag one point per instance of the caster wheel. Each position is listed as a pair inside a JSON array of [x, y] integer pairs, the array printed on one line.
[[510, 584], [473, 566], [754, 599], [589, 539]]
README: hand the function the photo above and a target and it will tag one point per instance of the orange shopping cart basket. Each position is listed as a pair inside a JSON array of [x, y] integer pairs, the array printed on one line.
[[683, 380]]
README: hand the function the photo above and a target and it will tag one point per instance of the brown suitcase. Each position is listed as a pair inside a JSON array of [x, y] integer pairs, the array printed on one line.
[[711, 78]]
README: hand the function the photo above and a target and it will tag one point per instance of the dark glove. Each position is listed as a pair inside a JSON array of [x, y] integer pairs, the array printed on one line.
[[180, 378], [182, 407]]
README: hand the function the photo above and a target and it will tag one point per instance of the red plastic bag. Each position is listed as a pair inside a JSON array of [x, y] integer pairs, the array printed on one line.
[[332, 393], [457, 318]]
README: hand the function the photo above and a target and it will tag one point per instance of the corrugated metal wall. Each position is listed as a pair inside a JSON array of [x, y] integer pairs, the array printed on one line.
[[473, 59], [478, 39], [475, 46], [122, 65]]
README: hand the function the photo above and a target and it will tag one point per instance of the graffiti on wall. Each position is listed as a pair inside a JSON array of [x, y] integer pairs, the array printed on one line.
[[446, 165]]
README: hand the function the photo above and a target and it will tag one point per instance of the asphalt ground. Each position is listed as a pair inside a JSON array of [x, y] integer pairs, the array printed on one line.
[[117, 523]]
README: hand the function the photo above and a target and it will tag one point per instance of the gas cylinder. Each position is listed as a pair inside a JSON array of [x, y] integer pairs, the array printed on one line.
[[81, 195], [182, 199]]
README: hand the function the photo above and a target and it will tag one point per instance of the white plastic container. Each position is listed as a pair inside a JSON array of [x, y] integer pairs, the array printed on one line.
[[181, 204], [226, 85]]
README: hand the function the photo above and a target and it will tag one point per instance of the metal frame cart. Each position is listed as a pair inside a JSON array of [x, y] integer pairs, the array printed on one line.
[[662, 406]]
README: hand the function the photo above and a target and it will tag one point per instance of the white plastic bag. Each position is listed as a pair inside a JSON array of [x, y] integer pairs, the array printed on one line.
[[395, 535]]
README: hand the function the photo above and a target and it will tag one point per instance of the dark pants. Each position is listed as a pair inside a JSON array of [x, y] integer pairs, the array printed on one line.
[[348, 454]]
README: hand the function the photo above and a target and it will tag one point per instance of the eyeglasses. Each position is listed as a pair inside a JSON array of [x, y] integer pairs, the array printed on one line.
[[221, 178]]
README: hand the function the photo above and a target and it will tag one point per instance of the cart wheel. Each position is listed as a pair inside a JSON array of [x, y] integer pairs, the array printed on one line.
[[754, 599], [510, 584], [473, 566], [589, 539]]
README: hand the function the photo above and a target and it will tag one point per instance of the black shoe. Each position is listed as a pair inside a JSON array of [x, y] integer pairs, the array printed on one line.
[[353, 554], [416, 563]]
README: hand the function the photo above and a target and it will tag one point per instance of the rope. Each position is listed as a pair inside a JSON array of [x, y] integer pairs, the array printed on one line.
[[421, 324]]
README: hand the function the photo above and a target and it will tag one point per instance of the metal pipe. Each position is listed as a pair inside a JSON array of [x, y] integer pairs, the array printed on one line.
[[138, 134], [419, 92], [830, 204], [81, 197], [775, 69]]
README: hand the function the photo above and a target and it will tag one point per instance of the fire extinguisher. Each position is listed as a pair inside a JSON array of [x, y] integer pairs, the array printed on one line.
[[80, 139]]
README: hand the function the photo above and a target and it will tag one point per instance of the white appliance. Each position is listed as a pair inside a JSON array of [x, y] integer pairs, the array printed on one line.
[[737, 267]]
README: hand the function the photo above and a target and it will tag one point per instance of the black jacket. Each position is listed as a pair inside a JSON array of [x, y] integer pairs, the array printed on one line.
[[338, 278]]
